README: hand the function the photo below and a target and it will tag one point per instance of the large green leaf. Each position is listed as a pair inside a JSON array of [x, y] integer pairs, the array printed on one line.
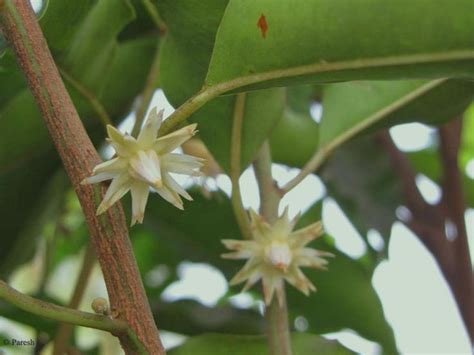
[[353, 108], [302, 344], [185, 57], [349, 108], [195, 233], [327, 40], [27, 157]]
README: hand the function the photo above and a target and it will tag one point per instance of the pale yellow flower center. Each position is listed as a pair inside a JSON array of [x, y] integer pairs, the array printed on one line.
[[279, 255], [145, 166]]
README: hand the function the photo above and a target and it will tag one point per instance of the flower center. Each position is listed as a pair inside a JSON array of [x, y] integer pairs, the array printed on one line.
[[145, 166], [279, 255]]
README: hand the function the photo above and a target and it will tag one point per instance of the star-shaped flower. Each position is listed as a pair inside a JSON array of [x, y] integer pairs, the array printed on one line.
[[143, 163], [275, 254]]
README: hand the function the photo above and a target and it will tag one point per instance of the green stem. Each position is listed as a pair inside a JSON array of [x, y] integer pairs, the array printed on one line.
[[276, 314], [326, 150], [154, 15], [59, 313], [235, 153], [89, 96], [147, 93]]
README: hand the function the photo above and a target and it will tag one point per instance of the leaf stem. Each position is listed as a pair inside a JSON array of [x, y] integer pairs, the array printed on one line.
[[147, 93], [326, 150], [89, 96], [154, 15], [276, 314], [235, 153], [59, 313]]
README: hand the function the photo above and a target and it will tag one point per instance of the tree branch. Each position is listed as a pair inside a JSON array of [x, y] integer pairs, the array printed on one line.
[[108, 232], [59, 313], [460, 266], [429, 222]]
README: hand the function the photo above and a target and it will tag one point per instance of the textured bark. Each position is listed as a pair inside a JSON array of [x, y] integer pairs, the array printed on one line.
[[108, 232], [429, 222]]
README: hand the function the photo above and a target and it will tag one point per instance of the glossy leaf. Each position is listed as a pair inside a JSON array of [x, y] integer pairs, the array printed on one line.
[[185, 57], [325, 40]]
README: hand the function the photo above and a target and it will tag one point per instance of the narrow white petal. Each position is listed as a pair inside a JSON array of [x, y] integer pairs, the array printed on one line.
[[173, 185], [124, 144], [269, 283], [170, 142], [150, 130], [145, 166], [170, 196], [94, 179], [110, 166], [140, 192], [119, 187], [182, 164], [303, 236]]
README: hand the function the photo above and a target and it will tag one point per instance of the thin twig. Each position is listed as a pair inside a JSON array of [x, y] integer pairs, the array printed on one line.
[[147, 93], [89, 96], [155, 16], [59, 313], [64, 332], [235, 157]]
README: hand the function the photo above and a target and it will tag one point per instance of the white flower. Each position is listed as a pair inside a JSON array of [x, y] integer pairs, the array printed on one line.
[[145, 162], [276, 254]]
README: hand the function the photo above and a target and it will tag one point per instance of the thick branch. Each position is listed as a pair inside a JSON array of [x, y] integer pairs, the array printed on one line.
[[108, 232]]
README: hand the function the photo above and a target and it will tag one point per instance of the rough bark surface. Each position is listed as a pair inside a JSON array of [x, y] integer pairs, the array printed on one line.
[[108, 232]]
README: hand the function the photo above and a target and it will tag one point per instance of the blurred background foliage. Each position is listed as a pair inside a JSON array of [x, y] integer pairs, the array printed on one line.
[[104, 50]]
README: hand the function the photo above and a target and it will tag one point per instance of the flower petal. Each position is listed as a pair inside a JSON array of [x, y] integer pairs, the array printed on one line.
[[94, 179], [149, 132], [140, 192], [173, 185], [246, 272], [119, 187], [124, 144], [182, 164], [170, 196], [170, 142], [110, 166], [308, 257], [303, 236]]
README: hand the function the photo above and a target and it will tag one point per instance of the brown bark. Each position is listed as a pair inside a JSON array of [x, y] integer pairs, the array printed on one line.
[[108, 232], [429, 222]]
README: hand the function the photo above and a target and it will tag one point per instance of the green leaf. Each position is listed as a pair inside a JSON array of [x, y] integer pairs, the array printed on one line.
[[184, 61], [302, 344], [349, 108], [323, 40], [354, 108]]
